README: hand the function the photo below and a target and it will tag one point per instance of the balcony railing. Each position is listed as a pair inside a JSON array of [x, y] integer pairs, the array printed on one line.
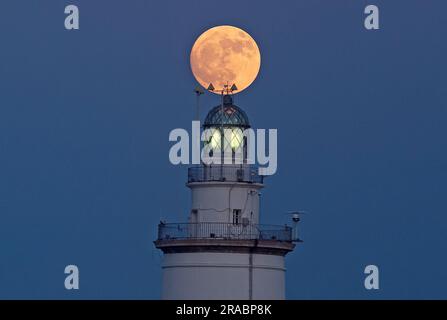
[[227, 231], [224, 173]]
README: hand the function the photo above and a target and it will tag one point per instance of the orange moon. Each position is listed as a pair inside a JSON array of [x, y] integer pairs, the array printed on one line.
[[225, 55]]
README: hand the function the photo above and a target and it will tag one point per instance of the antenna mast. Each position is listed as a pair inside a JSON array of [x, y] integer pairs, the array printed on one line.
[[199, 91]]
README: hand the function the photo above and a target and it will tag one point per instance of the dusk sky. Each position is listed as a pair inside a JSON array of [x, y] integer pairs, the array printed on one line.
[[85, 116]]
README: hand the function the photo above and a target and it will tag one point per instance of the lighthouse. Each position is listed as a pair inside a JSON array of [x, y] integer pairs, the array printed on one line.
[[222, 250]]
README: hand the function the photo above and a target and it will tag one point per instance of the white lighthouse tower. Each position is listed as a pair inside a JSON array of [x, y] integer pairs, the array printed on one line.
[[223, 251]]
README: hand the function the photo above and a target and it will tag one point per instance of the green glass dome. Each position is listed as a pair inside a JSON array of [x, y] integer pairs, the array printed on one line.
[[232, 116]]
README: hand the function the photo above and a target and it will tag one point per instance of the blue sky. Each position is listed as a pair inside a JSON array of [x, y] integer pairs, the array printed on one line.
[[85, 117]]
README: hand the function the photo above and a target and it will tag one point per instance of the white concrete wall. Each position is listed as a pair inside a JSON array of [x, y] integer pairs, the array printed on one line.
[[209, 275], [215, 201]]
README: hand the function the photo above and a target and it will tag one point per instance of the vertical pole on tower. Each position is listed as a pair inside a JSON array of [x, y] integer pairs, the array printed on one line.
[[199, 91]]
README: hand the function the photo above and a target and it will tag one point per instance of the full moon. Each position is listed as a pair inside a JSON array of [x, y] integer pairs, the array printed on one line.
[[225, 55]]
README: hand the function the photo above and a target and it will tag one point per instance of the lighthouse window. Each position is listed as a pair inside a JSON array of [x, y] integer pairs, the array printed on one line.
[[236, 216], [194, 214]]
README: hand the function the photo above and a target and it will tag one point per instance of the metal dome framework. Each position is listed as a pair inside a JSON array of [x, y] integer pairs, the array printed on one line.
[[232, 116], [226, 116]]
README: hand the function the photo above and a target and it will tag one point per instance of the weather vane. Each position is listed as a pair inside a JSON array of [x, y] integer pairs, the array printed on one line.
[[226, 90]]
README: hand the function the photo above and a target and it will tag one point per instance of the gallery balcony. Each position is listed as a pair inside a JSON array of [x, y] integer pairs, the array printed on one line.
[[224, 173], [225, 237], [226, 231]]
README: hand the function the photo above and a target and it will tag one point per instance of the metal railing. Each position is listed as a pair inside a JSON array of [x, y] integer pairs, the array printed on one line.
[[208, 230], [236, 173]]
